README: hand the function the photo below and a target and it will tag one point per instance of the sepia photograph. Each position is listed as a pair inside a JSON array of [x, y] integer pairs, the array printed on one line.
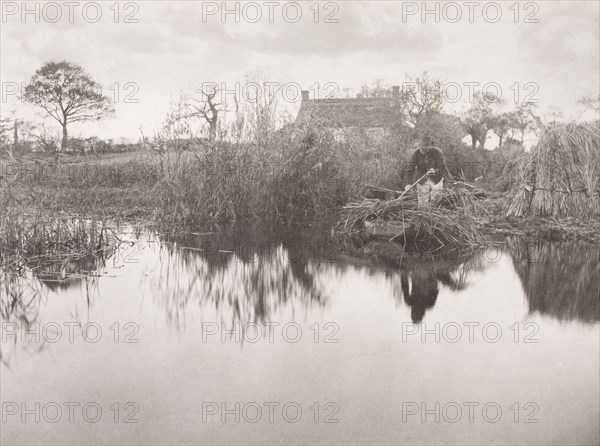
[[300, 222]]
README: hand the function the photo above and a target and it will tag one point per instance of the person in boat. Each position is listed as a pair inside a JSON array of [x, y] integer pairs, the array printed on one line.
[[427, 160]]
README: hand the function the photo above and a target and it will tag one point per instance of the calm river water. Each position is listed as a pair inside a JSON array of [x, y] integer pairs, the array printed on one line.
[[285, 337]]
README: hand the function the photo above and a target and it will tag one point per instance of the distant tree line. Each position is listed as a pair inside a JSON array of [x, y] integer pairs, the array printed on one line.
[[69, 95]]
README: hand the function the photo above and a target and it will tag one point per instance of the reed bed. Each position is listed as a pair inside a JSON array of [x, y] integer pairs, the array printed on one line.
[[42, 243], [561, 175]]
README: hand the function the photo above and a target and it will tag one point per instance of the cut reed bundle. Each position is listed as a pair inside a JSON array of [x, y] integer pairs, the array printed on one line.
[[441, 228], [354, 214], [560, 177], [445, 221]]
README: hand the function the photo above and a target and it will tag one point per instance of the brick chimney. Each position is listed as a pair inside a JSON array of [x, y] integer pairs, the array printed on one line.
[[304, 95], [396, 93]]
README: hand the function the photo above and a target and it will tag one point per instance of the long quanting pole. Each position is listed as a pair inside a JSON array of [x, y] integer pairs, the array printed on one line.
[[411, 186]]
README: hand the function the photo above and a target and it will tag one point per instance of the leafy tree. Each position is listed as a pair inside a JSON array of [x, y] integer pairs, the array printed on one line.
[[590, 102], [480, 118], [522, 120], [68, 94], [501, 127]]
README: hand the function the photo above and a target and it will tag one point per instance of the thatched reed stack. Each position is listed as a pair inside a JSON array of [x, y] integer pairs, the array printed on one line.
[[561, 175]]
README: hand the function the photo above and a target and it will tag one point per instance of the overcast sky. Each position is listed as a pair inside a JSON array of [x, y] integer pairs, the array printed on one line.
[[173, 46]]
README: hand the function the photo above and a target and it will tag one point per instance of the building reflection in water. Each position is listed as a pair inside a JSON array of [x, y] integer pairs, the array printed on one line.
[[223, 276]]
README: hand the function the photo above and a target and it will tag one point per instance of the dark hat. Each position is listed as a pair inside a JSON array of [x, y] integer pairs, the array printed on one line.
[[426, 141]]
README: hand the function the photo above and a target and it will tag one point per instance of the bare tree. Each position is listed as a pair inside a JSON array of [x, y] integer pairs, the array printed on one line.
[[257, 115], [15, 126], [47, 142], [238, 126], [262, 118], [5, 129], [421, 96], [206, 107], [377, 89]]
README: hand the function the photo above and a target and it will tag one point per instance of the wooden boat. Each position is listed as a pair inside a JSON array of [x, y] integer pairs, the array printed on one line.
[[386, 230]]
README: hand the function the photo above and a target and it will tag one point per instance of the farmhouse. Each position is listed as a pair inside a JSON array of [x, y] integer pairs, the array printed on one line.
[[373, 117]]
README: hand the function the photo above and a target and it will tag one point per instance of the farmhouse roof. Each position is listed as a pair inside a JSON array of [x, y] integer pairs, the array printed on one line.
[[349, 112]]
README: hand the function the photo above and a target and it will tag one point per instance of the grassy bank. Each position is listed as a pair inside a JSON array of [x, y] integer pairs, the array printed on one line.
[[495, 222], [300, 175]]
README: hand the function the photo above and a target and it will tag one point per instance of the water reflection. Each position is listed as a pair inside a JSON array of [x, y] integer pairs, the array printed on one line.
[[36, 281], [417, 279], [251, 275], [173, 283], [560, 280], [246, 274], [240, 273], [420, 287], [23, 298]]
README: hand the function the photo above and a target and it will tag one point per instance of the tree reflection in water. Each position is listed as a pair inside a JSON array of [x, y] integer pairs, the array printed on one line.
[[560, 280], [244, 274], [253, 275]]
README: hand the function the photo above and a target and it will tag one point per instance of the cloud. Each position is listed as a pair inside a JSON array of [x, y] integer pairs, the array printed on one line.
[[172, 48], [566, 34]]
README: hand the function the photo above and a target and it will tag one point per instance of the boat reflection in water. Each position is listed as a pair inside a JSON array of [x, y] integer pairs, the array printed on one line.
[[245, 275], [168, 286], [420, 289]]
